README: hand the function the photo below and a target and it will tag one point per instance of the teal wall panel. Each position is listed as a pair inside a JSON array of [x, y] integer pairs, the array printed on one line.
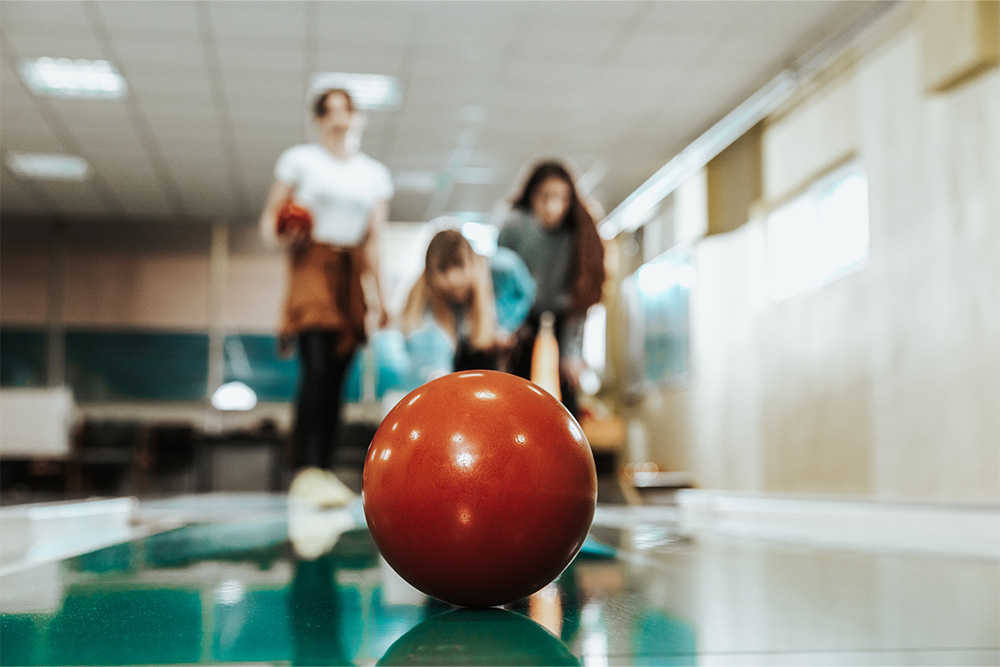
[[22, 358], [103, 365]]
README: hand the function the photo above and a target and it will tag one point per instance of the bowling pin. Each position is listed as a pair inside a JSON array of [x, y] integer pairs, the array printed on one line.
[[545, 356]]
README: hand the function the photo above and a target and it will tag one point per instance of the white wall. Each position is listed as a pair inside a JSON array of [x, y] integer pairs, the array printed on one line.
[[886, 382]]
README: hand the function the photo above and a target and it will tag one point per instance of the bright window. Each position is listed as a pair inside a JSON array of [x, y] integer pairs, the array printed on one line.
[[819, 235]]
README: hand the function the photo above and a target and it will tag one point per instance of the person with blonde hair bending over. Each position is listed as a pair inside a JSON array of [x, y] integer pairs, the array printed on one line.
[[475, 301]]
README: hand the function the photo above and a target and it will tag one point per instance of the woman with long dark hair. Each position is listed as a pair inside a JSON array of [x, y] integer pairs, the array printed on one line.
[[554, 232]]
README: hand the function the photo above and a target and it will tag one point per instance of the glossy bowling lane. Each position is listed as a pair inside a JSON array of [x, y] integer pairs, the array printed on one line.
[[262, 585]]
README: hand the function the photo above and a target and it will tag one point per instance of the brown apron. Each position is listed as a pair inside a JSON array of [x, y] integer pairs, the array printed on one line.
[[324, 293]]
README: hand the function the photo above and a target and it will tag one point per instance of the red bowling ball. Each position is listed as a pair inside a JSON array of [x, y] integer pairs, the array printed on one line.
[[479, 488]]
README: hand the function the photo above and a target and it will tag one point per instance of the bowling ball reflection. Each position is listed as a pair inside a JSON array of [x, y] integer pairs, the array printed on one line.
[[478, 637]]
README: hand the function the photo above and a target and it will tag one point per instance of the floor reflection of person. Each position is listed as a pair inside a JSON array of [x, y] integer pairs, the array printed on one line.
[[315, 614], [567, 604], [571, 603]]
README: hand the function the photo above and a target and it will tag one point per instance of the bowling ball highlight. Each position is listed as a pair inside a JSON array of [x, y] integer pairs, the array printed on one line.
[[479, 488]]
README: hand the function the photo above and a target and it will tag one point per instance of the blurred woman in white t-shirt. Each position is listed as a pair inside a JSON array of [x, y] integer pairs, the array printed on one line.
[[327, 207]]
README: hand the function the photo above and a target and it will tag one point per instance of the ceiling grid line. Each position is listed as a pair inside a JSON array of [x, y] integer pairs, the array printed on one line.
[[42, 200], [310, 60], [489, 87], [143, 129], [613, 50], [231, 151], [410, 52]]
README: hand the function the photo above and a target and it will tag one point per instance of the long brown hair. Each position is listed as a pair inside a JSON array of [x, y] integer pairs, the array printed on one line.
[[587, 269]]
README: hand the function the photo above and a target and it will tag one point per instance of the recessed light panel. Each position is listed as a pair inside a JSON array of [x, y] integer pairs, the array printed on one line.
[[370, 91], [416, 180], [75, 78], [48, 166]]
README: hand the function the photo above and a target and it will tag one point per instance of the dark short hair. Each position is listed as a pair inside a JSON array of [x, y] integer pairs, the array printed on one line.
[[319, 104]]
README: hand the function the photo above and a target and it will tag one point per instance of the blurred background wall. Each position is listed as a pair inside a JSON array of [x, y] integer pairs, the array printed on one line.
[[883, 382]]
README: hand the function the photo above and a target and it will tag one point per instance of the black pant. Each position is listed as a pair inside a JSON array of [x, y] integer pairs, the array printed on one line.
[[469, 359], [317, 414], [520, 361]]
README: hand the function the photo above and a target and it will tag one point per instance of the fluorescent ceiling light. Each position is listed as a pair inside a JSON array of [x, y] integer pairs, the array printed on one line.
[[370, 91], [416, 180], [469, 216], [429, 181], [475, 176], [66, 77], [482, 235], [51, 166]]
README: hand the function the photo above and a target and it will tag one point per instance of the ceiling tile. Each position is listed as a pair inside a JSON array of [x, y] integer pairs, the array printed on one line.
[[138, 191], [344, 35], [191, 86], [365, 23], [29, 134], [363, 60], [409, 206], [205, 152], [273, 93], [173, 115], [149, 18], [158, 56], [552, 43], [244, 108], [263, 60], [633, 81], [15, 93], [73, 43], [256, 132], [31, 15], [77, 113], [270, 142], [581, 16], [18, 198], [74, 198], [108, 163], [675, 18], [194, 138], [239, 21], [122, 147]]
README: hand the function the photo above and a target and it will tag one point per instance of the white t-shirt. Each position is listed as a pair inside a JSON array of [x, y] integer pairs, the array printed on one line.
[[339, 193]]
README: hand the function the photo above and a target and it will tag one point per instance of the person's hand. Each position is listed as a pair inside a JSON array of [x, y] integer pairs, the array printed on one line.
[[294, 237], [294, 224], [375, 320], [504, 342]]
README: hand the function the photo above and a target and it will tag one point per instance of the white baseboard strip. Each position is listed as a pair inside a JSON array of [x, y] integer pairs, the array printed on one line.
[[947, 529]]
